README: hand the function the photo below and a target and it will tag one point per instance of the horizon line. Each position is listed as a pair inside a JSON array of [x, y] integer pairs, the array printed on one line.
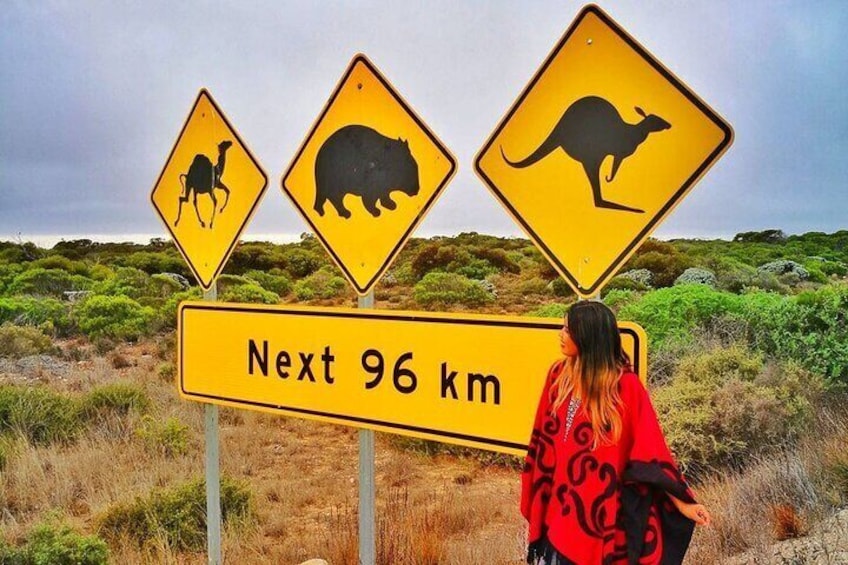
[[47, 241]]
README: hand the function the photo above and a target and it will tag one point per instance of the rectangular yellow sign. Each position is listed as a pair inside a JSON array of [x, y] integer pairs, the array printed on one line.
[[466, 379]]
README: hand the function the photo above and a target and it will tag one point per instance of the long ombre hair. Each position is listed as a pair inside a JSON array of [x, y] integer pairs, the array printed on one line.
[[594, 373]]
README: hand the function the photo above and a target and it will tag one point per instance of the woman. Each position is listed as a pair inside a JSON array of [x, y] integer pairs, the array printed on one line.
[[599, 484]]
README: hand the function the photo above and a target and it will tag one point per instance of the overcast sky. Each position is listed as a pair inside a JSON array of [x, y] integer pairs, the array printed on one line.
[[93, 95]]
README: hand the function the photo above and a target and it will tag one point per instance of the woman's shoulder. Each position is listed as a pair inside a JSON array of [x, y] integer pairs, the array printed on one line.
[[630, 383]]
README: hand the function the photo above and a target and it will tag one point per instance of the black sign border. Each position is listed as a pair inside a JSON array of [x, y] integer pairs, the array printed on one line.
[[687, 185], [375, 315], [360, 58]]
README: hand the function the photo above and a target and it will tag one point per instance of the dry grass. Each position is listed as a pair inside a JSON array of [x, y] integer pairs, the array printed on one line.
[[779, 497], [303, 476], [304, 479]]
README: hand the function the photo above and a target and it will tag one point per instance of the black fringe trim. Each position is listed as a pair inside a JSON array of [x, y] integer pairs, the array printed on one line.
[[542, 552]]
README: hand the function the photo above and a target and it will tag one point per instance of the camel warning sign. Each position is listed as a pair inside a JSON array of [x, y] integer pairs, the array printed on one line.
[[367, 174], [208, 190], [598, 149]]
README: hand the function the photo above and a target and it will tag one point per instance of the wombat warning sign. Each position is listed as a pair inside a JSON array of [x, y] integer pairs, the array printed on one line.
[[367, 174]]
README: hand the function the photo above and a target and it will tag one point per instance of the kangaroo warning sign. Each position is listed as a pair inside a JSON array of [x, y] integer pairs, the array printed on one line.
[[367, 173], [378, 370], [208, 190], [598, 149]]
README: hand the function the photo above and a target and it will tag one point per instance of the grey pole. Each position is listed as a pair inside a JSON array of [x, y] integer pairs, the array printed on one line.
[[213, 471], [367, 541]]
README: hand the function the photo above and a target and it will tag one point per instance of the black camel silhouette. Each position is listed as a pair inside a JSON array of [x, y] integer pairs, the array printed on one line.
[[590, 130], [204, 178]]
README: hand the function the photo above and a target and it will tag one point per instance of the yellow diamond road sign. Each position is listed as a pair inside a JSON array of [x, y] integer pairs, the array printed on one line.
[[599, 147], [208, 190], [367, 173]]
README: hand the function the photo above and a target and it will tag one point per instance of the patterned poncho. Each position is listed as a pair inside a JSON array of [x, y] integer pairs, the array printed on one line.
[[608, 505]]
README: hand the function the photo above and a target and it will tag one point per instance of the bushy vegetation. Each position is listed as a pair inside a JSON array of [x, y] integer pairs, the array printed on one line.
[[114, 399], [726, 404], [748, 340], [31, 311], [450, 288], [118, 317], [671, 314], [176, 515], [56, 544], [38, 414], [17, 341], [320, 284], [43, 416], [169, 437]]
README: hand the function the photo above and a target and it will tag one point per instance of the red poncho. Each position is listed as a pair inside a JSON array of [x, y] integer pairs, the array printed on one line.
[[609, 505]]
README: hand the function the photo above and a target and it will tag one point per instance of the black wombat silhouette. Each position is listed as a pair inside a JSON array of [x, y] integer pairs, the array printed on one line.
[[359, 160], [203, 178], [590, 130]]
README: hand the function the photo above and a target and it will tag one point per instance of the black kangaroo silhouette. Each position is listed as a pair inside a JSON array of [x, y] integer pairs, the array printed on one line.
[[204, 178], [590, 130]]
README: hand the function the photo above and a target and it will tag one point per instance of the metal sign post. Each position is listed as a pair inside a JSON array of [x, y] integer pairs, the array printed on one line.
[[367, 541], [213, 471]]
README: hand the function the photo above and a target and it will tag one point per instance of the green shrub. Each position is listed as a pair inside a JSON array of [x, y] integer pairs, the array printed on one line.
[[622, 282], [29, 311], [38, 414], [560, 288], [550, 311], [22, 341], [116, 399], [167, 313], [616, 299], [474, 268], [810, 328], [725, 405], [671, 314], [449, 288], [166, 371], [255, 255], [176, 514], [830, 268], [126, 281], [735, 276], [301, 262], [429, 259], [62, 263], [169, 438], [47, 282], [252, 293], [274, 280], [695, 275], [8, 272], [662, 259], [641, 277], [166, 284], [116, 317], [320, 284], [784, 266], [152, 262], [56, 544]]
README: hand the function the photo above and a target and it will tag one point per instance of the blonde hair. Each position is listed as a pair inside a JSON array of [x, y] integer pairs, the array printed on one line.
[[593, 375]]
